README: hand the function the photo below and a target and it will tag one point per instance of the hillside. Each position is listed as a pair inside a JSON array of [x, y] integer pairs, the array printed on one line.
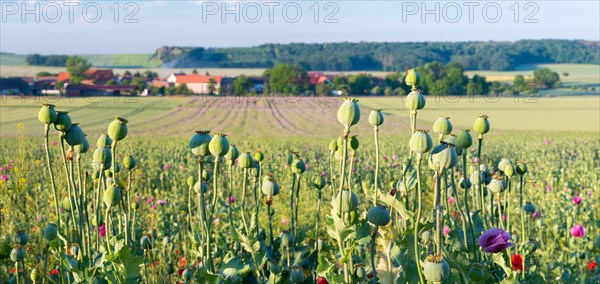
[[386, 56]]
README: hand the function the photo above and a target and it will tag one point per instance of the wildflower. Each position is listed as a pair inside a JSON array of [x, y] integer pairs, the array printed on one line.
[[451, 200], [494, 240], [548, 188], [4, 178], [475, 160], [12, 270], [517, 262], [231, 199], [102, 230], [446, 230], [322, 280], [182, 261], [324, 174], [216, 220], [166, 167], [153, 207], [578, 231], [38, 218], [162, 202], [54, 272], [592, 265], [284, 221], [547, 142], [149, 200], [536, 215], [576, 200]]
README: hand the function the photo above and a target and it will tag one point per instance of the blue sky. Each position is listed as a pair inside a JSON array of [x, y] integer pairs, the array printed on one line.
[[144, 26]]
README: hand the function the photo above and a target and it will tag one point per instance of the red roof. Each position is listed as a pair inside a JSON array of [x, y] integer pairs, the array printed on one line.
[[195, 78], [63, 77]]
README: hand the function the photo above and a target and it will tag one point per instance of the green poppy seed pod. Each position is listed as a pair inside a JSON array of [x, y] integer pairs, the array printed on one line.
[[50, 232], [101, 159], [442, 126], [20, 238], [129, 162], [170, 269], [349, 113], [17, 254], [529, 207], [297, 275], [333, 146], [442, 157], [412, 78], [191, 181], [112, 196], [482, 125], [74, 136], [353, 143], [360, 273], [503, 163], [274, 267], [206, 175], [420, 142], [319, 182], [436, 269], [66, 204], [47, 114], [451, 139], [497, 185], [62, 122], [104, 141], [245, 160], [232, 154], [287, 238], [426, 237], [465, 184], [378, 216], [298, 166], [464, 139], [219, 145], [34, 275], [476, 272], [258, 156], [255, 169], [344, 196], [83, 147], [134, 205], [415, 101], [509, 170], [117, 130], [270, 187], [200, 186], [521, 168], [187, 274], [199, 143], [530, 247], [145, 242], [597, 243], [376, 117]]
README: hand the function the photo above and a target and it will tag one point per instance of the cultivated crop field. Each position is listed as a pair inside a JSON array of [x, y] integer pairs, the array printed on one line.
[[300, 190]]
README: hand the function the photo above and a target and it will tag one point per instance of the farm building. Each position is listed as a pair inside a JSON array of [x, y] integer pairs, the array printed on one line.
[[199, 84], [14, 86], [83, 90]]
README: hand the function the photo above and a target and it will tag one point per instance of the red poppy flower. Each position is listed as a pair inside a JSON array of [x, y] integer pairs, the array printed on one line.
[[180, 271], [517, 262], [322, 280], [12, 270], [592, 265], [54, 272]]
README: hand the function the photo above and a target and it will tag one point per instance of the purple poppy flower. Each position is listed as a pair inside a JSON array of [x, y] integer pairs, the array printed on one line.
[[102, 230], [162, 202], [4, 177], [576, 200], [231, 199], [494, 240]]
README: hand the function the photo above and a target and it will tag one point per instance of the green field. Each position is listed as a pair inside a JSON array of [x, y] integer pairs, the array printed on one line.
[[296, 117], [98, 60]]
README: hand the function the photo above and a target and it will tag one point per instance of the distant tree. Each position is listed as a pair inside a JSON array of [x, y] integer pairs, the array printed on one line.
[[242, 85], [195, 71], [43, 74], [399, 92], [139, 83], [76, 66], [360, 84], [211, 86], [478, 86], [565, 74], [376, 91], [545, 78], [182, 89], [519, 83], [287, 78], [393, 80], [127, 73], [324, 89], [111, 82], [149, 74], [388, 92], [338, 81]]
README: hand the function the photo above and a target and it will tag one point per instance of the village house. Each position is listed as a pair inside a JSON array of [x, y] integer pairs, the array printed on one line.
[[199, 84], [14, 86], [92, 76]]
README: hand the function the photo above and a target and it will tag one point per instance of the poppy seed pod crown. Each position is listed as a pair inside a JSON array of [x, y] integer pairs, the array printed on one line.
[[47, 114], [117, 129], [103, 141], [349, 113], [413, 78], [436, 269]]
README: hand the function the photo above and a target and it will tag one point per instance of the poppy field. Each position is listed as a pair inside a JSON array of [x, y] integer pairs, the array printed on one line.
[[221, 198]]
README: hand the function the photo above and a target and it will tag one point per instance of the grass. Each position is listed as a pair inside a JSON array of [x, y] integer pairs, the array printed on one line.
[[295, 117], [579, 74]]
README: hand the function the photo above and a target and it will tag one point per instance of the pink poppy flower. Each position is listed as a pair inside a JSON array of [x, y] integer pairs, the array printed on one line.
[[578, 231]]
